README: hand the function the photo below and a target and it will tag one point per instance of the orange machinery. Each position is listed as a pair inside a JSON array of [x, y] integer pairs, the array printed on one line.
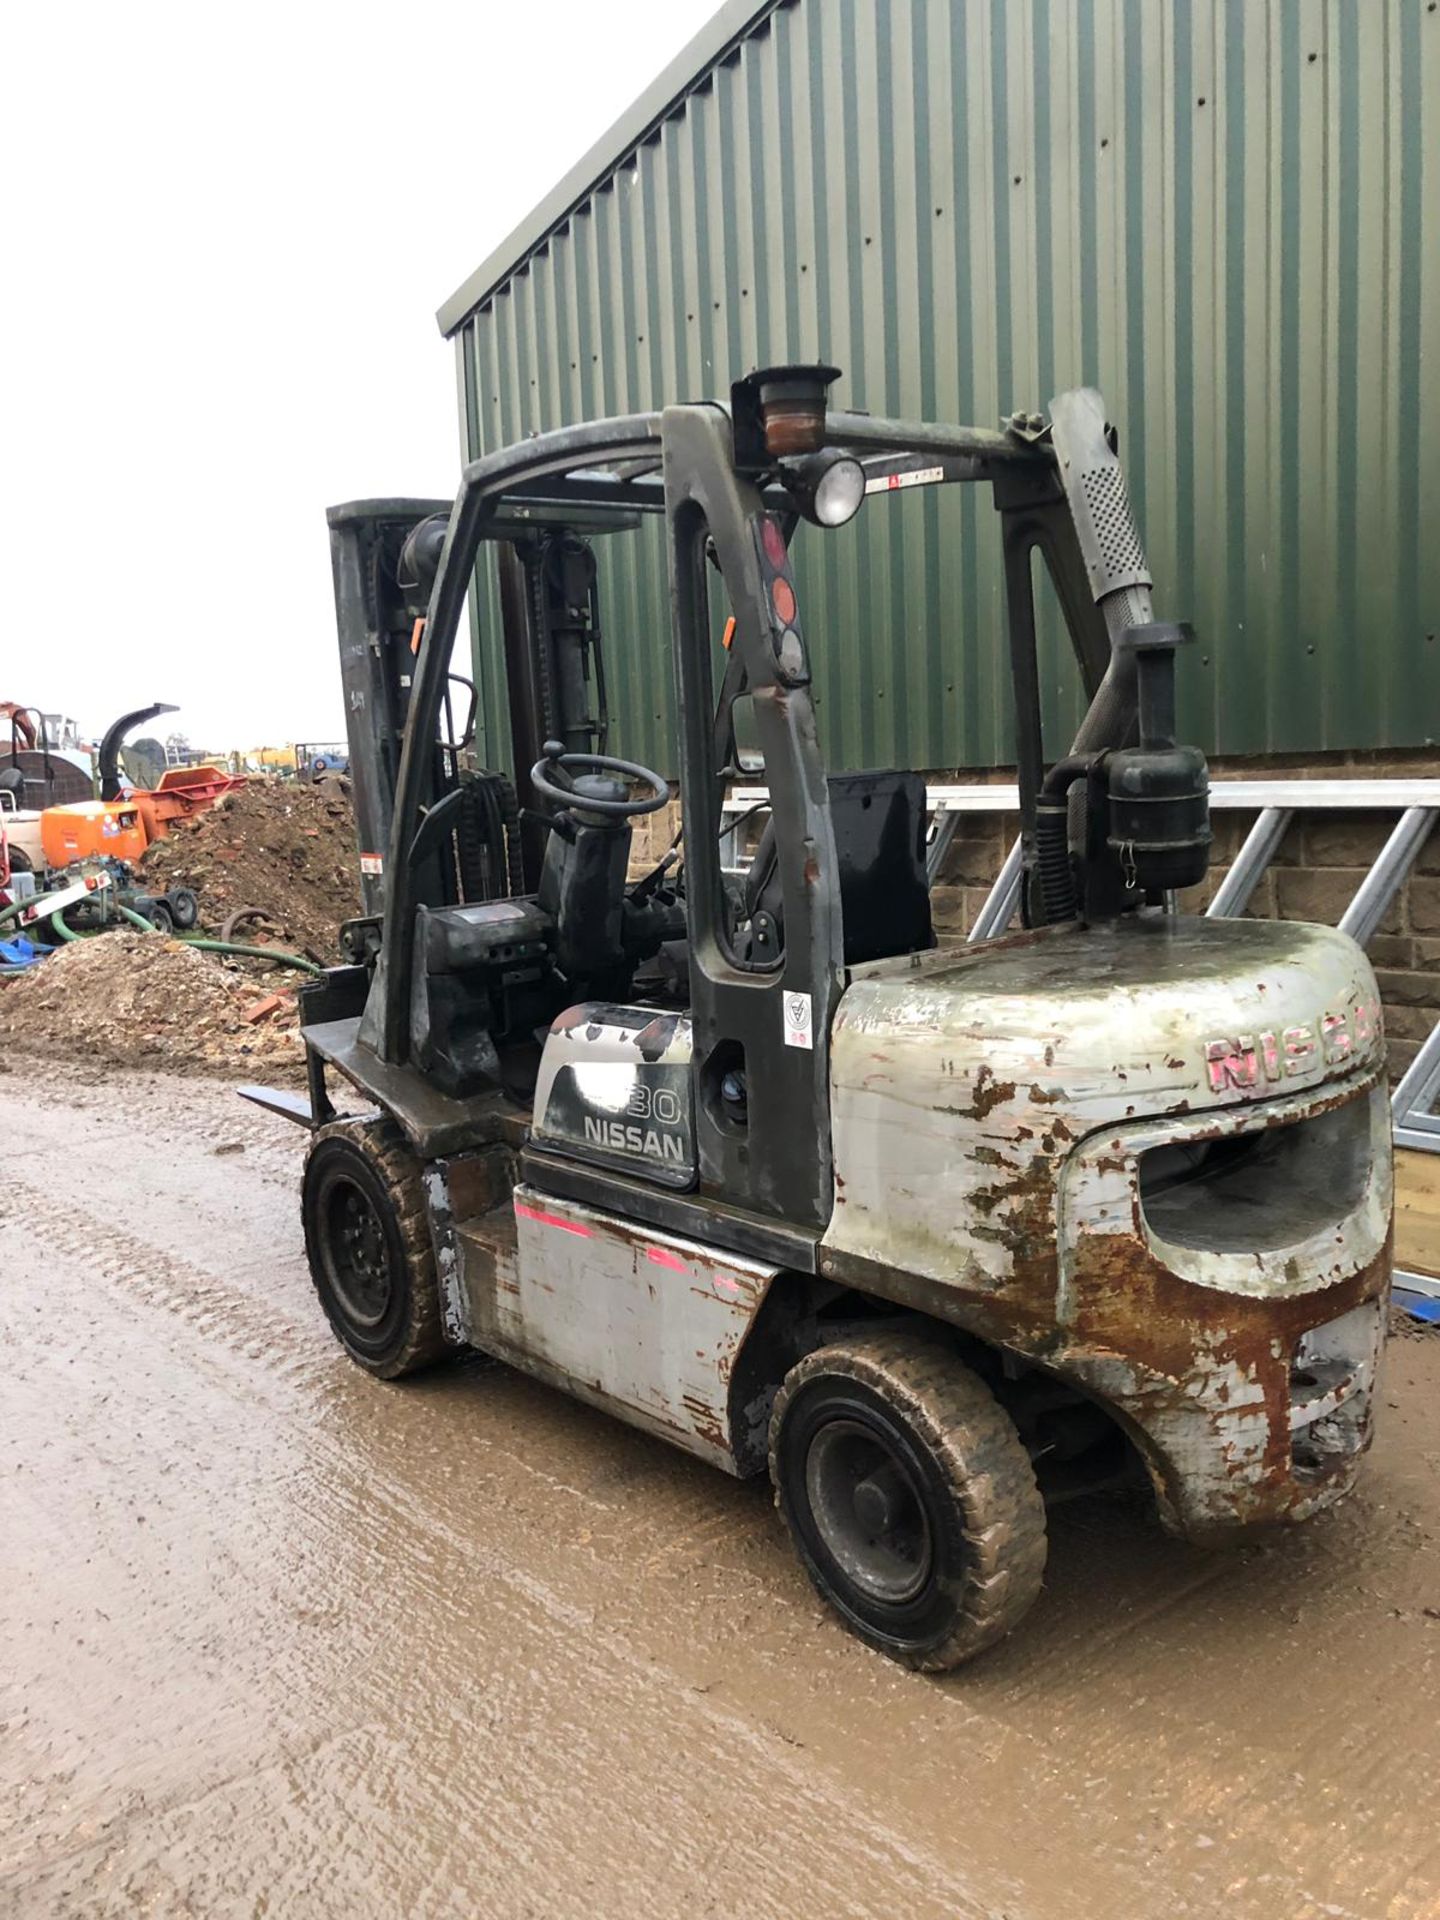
[[181, 792], [86, 828], [120, 825]]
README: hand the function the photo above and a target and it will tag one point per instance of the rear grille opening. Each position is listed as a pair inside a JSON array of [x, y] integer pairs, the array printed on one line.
[[1258, 1191]]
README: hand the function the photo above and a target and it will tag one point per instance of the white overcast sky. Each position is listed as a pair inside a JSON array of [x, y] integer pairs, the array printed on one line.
[[226, 233]]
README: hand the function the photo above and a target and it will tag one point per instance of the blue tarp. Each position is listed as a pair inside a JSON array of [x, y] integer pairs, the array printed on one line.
[[19, 953]]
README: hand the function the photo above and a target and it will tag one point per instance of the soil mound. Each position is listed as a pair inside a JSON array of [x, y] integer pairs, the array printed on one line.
[[282, 846], [138, 999]]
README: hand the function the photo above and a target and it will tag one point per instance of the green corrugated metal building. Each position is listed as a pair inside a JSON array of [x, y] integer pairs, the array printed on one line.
[[1224, 213]]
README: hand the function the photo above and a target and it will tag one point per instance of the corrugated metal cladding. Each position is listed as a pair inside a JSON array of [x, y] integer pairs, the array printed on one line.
[[1224, 213]]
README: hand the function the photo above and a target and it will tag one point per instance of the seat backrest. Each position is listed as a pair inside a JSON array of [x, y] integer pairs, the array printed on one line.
[[878, 820]]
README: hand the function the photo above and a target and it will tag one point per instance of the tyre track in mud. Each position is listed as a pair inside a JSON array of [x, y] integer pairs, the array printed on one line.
[[547, 1628], [464, 1646], [237, 1333]]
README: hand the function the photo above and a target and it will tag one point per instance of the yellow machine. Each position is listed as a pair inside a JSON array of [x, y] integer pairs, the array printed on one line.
[[266, 760]]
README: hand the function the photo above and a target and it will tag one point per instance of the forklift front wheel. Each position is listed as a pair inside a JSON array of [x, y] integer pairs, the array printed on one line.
[[909, 1496], [368, 1245]]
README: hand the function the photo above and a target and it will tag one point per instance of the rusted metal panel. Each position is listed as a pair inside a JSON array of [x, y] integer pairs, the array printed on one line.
[[1220, 213], [643, 1324], [459, 1188], [1248, 1377], [991, 1114]]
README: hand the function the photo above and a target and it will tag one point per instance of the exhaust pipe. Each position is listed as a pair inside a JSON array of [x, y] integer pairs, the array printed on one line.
[[1158, 827], [1115, 566]]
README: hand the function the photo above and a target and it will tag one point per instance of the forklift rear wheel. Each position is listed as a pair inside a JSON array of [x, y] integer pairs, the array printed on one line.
[[909, 1496], [368, 1244]]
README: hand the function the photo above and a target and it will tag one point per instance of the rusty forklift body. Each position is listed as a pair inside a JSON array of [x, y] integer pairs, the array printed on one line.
[[934, 1231]]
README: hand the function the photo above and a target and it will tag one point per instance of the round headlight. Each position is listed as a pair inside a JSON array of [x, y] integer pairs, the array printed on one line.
[[828, 487], [839, 491]]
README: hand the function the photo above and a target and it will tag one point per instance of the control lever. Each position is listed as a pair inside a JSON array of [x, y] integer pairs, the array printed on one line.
[[553, 759]]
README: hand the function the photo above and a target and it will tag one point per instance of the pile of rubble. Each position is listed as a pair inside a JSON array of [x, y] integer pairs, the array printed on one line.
[[283, 848], [137, 999]]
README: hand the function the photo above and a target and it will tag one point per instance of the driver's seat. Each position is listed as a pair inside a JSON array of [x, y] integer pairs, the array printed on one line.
[[878, 820]]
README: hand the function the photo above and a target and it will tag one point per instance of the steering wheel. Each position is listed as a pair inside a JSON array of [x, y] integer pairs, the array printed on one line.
[[547, 776]]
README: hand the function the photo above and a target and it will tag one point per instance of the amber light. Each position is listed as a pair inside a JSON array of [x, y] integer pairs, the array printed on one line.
[[782, 598], [792, 407]]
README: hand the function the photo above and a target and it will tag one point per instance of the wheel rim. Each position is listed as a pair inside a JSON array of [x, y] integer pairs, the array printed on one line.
[[357, 1255], [868, 1511]]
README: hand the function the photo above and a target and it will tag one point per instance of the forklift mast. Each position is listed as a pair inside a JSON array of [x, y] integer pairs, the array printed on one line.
[[554, 659], [384, 557], [376, 632]]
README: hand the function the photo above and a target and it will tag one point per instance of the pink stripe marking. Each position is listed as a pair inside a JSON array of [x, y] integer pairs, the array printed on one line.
[[551, 1220], [662, 1258]]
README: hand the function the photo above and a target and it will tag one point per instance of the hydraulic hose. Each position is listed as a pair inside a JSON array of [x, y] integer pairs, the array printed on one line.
[[1052, 838]]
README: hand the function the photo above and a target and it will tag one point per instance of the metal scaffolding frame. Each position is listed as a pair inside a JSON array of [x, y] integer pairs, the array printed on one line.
[[1275, 803], [1413, 1105], [1412, 1109]]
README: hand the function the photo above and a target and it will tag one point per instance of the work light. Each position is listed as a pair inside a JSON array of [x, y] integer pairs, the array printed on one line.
[[828, 487]]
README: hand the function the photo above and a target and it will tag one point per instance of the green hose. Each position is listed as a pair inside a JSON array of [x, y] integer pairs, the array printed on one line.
[[55, 919], [68, 934], [16, 905], [38, 900], [277, 954]]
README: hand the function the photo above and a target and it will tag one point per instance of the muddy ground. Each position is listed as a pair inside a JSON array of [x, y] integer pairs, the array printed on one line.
[[278, 1639]]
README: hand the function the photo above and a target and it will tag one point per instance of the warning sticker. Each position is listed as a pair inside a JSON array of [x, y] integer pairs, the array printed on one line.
[[917, 477], [797, 1021], [372, 863]]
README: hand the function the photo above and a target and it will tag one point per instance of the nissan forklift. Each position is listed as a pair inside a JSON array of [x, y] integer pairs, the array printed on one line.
[[934, 1233]]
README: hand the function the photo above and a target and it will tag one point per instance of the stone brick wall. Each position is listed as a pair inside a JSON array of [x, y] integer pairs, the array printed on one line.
[[1321, 861], [650, 835]]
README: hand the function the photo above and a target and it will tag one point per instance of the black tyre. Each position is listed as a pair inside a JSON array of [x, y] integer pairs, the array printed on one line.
[[909, 1497], [160, 917], [184, 907], [368, 1244], [20, 861]]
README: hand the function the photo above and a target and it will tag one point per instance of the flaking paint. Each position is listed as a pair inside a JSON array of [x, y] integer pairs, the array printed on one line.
[[990, 1168]]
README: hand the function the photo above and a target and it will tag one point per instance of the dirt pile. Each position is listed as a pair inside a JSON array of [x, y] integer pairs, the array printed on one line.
[[137, 999], [282, 846]]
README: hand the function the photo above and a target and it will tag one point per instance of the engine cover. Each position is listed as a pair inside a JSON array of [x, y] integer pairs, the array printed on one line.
[[614, 1091]]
